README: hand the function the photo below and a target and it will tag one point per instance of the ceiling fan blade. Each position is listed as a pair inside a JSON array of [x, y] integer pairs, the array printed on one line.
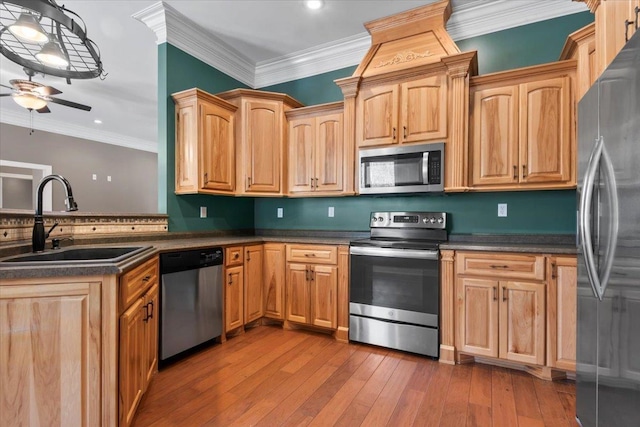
[[8, 87], [69, 104], [46, 90], [44, 109], [5, 94]]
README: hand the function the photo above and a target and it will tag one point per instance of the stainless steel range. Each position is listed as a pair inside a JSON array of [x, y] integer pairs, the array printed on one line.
[[395, 282]]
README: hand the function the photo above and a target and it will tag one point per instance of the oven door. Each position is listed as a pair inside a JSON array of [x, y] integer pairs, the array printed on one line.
[[395, 284]]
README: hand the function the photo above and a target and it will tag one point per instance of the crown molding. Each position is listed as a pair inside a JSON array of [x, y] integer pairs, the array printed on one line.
[[170, 26], [46, 124]]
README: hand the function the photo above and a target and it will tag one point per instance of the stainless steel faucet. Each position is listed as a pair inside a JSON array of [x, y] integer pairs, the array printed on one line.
[[39, 235]]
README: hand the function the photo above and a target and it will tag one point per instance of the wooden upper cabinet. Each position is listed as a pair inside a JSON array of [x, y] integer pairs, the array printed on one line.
[[413, 111], [204, 144], [581, 46], [494, 154], [317, 153], [545, 125], [523, 129], [611, 36], [260, 146]]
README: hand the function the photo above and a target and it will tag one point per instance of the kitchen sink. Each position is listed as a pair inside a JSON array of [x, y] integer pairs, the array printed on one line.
[[78, 255]]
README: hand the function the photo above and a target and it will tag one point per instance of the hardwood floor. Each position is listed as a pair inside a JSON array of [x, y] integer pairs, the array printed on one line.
[[274, 377]]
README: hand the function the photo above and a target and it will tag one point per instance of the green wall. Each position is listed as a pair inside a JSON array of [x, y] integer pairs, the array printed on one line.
[[179, 71], [469, 212]]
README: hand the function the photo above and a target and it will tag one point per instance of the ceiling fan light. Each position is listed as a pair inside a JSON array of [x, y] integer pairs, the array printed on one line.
[[314, 4], [51, 55], [29, 101], [28, 28]]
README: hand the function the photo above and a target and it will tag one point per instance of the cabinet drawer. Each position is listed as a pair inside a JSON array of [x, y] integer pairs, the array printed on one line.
[[501, 265], [315, 254], [233, 256], [134, 283]]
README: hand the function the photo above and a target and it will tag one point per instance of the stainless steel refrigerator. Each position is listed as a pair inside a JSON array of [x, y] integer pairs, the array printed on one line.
[[608, 346]]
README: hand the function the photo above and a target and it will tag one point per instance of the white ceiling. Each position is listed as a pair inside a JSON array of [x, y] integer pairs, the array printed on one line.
[[259, 42]]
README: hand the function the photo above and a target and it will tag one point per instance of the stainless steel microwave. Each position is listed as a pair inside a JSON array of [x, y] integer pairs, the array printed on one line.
[[403, 169]]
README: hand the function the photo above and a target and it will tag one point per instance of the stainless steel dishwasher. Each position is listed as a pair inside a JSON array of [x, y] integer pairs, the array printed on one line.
[[190, 299]]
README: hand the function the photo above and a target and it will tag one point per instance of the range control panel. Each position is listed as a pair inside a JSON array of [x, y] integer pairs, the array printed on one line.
[[430, 220]]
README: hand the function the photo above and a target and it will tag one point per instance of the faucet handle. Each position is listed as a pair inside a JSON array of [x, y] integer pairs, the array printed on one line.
[[55, 224], [55, 242]]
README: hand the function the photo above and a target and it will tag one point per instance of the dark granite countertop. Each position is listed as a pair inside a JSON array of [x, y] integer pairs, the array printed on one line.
[[537, 243]]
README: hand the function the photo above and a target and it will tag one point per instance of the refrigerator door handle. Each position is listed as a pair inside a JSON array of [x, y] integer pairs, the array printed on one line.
[[610, 182], [584, 223]]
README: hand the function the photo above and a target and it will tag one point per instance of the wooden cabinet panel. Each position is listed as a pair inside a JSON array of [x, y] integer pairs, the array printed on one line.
[[233, 256], [131, 361], [424, 109], [151, 333], [298, 293], [477, 313], [234, 298], [562, 313], [377, 115], [522, 322], [135, 282], [329, 153], [301, 143], [253, 284], [262, 145], [494, 155], [545, 126], [312, 253], [324, 285], [274, 272], [187, 147], [501, 265], [218, 150], [50, 353]]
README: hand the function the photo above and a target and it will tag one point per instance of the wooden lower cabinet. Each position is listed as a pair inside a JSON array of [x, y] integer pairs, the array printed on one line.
[[253, 283], [273, 280], [233, 298], [562, 299], [138, 341], [50, 352], [477, 316]]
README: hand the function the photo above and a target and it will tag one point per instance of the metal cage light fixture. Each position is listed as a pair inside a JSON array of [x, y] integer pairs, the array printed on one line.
[[65, 51]]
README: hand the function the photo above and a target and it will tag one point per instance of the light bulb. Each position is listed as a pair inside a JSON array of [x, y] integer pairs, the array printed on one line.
[[29, 101], [51, 54], [314, 4], [28, 28]]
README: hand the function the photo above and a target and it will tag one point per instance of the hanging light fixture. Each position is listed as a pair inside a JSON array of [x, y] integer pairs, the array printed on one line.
[[64, 51], [52, 55], [27, 28], [29, 101]]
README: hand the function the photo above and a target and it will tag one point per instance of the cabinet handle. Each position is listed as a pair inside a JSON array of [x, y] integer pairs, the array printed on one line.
[[306, 274], [554, 271], [248, 256], [312, 274], [151, 311], [504, 293], [515, 172], [230, 280], [626, 28], [248, 182], [146, 278], [637, 12], [311, 183], [316, 179], [499, 266], [394, 133], [310, 255], [495, 293], [145, 307], [524, 171], [404, 132], [206, 177]]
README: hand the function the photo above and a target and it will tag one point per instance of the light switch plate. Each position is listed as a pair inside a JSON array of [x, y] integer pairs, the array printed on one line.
[[502, 209], [330, 212], [203, 211], [280, 212]]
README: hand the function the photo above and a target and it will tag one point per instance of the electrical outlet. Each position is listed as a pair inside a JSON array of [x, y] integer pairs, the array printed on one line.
[[203, 211], [280, 212], [94, 177], [108, 178], [331, 212], [502, 209]]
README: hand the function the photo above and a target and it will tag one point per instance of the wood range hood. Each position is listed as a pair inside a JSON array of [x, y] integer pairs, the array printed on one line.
[[412, 45]]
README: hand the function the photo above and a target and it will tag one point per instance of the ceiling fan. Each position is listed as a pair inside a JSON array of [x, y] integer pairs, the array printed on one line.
[[35, 96]]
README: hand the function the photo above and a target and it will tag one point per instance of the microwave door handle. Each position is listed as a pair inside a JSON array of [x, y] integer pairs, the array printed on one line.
[[425, 167]]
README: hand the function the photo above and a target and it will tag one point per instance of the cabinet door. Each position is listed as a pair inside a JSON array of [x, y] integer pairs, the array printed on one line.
[[298, 296], [562, 300], [301, 143], [324, 287], [151, 333], [377, 116], [522, 322], [131, 369], [234, 298], [217, 148], [263, 146], [545, 130], [186, 148], [329, 147], [424, 110], [50, 340], [253, 303], [494, 145], [274, 267], [477, 316]]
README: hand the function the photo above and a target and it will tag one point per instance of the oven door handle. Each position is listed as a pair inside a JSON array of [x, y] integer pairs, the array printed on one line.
[[395, 253]]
